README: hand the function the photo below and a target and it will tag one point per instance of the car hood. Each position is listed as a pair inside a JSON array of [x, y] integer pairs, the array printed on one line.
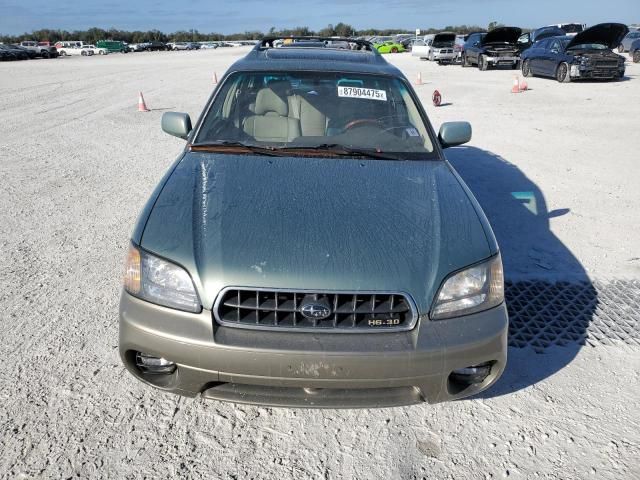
[[314, 223], [502, 35], [444, 39], [608, 34]]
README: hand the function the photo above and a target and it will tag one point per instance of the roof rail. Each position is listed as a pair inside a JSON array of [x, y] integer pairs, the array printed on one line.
[[268, 42]]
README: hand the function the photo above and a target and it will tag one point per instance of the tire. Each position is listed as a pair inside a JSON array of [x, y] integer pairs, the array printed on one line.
[[621, 48], [482, 63], [84, 54], [562, 73], [394, 50], [46, 54], [100, 52], [526, 69], [636, 56]]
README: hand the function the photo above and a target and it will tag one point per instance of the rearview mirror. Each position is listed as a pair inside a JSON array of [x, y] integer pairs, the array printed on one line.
[[176, 124], [454, 133]]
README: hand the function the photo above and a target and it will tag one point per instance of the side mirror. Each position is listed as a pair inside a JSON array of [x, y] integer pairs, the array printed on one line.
[[176, 124], [454, 133]]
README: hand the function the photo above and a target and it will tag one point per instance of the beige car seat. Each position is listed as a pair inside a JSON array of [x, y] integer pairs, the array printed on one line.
[[271, 122]]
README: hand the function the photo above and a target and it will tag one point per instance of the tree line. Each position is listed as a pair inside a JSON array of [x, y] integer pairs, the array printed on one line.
[[92, 35]]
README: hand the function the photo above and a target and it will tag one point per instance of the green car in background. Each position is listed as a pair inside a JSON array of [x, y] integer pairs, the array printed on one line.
[[389, 47], [112, 46]]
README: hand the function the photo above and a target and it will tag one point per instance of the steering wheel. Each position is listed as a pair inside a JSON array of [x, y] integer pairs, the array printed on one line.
[[360, 122]]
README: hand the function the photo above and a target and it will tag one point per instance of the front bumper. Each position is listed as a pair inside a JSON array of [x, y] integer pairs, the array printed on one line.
[[444, 57], [589, 72], [322, 370], [506, 60]]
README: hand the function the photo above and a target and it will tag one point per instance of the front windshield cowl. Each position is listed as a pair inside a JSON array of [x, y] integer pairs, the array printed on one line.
[[318, 114]]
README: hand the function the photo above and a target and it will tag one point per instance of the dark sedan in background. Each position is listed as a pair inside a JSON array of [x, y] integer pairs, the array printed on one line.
[[11, 52], [588, 55], [634, 51], [495, 48]]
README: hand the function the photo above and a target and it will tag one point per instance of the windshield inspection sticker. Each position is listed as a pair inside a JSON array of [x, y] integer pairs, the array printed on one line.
[[366, 93]]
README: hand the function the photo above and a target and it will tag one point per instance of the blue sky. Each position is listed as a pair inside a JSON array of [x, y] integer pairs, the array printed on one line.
[[231, 16]]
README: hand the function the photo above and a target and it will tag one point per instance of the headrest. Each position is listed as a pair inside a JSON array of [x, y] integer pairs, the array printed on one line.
[[268, 102]]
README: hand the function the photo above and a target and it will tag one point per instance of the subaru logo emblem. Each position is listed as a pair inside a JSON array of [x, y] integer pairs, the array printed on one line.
[[315, 311]]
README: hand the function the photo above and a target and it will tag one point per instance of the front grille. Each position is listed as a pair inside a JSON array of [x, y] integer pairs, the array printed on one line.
[[606, 64], [345, 311]]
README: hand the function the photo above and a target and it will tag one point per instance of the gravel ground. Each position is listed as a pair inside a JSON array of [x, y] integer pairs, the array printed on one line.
[[553, 167]]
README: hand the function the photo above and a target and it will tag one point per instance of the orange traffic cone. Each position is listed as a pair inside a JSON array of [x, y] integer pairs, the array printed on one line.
[[523, 85], [419, 79], [215, 78], [516, 85], [142, 107]]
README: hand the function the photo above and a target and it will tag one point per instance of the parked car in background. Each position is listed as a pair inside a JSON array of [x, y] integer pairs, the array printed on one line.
[[17, 53], [138, 47], [526, 40], [209, 46], [396, 298], [6, 55], [499, 47], [178, 46], [96, 50], [570, 28], [587, 55], [155, 46], [41, 49], [625, 44], [634, 51], [439, 47], [113, 46], [390, 46], [75, 50], [68, 44], [29, 52]]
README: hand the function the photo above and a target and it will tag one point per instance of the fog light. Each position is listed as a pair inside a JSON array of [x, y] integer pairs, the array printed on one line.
[[152, 364], [472, 374]]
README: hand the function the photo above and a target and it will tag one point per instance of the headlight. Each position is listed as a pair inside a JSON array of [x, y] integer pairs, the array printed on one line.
[[472, 290], [159, 281]]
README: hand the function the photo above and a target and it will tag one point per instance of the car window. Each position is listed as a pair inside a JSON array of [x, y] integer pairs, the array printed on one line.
[[311, 109], [524, 38]]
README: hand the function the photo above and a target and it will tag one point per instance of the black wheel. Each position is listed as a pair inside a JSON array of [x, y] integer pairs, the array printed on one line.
[[46, 54], [526, 68], [562, 73], [83, 53], [394, 50], [636, 56], [482, 63], [621, 48]]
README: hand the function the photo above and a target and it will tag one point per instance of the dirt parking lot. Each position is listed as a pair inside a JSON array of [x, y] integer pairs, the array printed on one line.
[[555, 169]]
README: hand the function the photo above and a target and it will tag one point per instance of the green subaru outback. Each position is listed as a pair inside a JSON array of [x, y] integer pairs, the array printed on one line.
[[312, 247]]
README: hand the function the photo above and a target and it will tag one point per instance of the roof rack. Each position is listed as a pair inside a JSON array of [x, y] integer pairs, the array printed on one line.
[[269, 42]]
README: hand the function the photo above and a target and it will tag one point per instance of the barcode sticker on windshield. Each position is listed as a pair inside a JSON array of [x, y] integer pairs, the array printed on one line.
[[366, 93]]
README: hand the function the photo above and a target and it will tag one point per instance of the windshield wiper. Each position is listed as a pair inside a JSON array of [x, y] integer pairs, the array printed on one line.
[[344, 151], [234, 146], [329, 148]]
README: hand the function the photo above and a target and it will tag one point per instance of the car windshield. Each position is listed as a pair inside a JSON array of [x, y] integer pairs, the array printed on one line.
[[317, 111], [572, 27]]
